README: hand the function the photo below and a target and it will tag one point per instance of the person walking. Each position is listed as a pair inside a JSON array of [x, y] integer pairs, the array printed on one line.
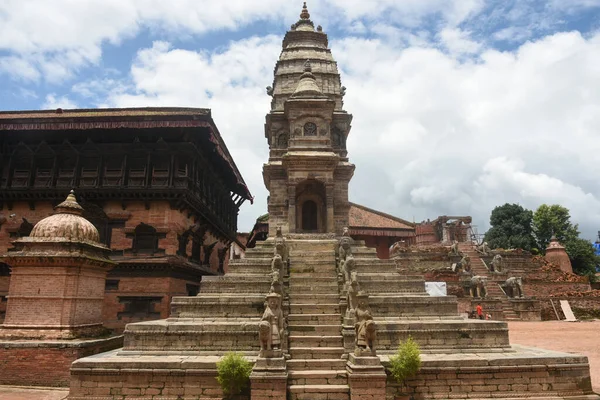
[[479, 311]]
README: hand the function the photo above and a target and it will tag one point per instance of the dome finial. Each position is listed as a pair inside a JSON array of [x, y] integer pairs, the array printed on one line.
[[307, 66], [70, 205], [304, 14]]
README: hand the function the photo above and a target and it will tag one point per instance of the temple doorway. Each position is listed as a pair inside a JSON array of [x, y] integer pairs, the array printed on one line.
[[309, 216], [310, 207]]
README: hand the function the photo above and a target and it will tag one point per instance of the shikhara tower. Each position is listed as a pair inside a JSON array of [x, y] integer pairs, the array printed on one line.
[[308, 170]]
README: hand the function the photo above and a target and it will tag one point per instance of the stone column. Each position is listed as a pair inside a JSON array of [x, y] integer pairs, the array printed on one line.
[[292, 208], [329, 191], [366, 378]]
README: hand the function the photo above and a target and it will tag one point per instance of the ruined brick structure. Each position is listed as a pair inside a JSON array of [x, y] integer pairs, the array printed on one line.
[[157, 183]]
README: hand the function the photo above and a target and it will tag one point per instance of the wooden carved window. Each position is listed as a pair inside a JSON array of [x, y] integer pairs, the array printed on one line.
[[113, 171], [90, 168], [310, 129], [21, 173], [5, 163], [66, 171], [145, 240], [181, 173], [160, 171], [137, 171], [43, 172]]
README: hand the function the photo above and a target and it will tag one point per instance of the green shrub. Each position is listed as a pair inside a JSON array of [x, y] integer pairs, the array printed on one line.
[[407, 361], [233, 373]]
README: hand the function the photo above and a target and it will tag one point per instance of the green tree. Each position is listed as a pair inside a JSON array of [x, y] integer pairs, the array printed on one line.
[[510, 228], [553, 220], [556, 220]]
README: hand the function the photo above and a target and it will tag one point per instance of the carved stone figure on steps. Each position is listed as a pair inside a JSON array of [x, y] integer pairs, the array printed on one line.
[[277, 264], [478, 286], [344, 251], [484, 249], [464, 265], [276, 284], [271, 327], [454, 251], [347, 269], [280, 245], [353, 289], [514, 287], [364, 327], [496, 264]]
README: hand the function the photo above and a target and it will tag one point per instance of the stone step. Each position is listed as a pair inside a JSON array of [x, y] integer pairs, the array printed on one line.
[[320, 319], [317, 298], [317, 353], [315, 341], [316, 363], [320, 392], [318, 377], [320, 308], [329, 289], [313, 280], [311, 330]]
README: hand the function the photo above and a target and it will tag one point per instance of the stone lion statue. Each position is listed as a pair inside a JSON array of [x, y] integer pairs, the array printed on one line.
[[344, 250], [478, 286], [514, 287], [264, 335], [454, 251], [484, 249]]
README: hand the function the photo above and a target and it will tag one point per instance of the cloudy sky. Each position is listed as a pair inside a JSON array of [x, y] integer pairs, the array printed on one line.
[[459, 105]]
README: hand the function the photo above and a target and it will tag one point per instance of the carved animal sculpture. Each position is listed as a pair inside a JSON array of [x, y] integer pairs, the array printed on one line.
[[514, 287], [496, 264], [264, 334], [478, 286], [371, 335]]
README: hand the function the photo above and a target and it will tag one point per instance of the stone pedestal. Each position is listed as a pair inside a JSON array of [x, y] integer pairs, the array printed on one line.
[[366, 378], [269, 377]]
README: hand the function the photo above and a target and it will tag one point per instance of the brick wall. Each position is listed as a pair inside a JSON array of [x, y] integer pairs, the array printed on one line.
[[155, 291], [46, 364]]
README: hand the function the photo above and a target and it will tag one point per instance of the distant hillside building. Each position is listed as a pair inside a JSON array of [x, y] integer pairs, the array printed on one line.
[[158, 183]]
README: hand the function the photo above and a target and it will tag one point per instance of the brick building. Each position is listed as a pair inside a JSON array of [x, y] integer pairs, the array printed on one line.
[[158, 183]]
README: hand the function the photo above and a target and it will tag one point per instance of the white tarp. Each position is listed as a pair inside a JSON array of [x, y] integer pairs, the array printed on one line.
[[436, 288], [569, 316]]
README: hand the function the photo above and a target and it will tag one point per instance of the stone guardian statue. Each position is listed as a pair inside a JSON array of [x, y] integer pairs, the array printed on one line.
[[364, 327], [271, 327]]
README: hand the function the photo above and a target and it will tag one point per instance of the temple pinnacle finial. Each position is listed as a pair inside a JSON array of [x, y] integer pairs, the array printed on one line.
[[307, 66], [304, 14]]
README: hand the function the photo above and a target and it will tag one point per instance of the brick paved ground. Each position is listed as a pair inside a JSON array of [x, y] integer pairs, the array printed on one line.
[[573, 337]]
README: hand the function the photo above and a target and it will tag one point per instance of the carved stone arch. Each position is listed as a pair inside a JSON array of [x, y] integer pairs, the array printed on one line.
[[282, 140], [311, 208]]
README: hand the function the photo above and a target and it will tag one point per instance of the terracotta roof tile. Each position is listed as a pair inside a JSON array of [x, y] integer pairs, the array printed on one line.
[[104, 112], [364, 217]]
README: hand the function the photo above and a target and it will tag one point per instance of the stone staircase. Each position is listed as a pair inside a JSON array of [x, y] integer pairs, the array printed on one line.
[[316, 368], [493, 287]]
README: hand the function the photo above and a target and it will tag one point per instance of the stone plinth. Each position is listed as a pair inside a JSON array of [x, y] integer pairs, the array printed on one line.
[[520, 372], [366, 378], [269, 378]]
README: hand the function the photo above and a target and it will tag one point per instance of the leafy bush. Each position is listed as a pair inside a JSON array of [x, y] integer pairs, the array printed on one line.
[[407, 361], [233, 373]]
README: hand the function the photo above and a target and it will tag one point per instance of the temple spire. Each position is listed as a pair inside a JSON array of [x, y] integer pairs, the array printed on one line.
[[304, 14]]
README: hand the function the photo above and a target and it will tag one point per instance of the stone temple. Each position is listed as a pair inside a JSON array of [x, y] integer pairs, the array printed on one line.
[[344, 310]]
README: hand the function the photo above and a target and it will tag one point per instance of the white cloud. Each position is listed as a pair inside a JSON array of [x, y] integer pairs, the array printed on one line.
[[53, 101], [458, 42], [55, 39]]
